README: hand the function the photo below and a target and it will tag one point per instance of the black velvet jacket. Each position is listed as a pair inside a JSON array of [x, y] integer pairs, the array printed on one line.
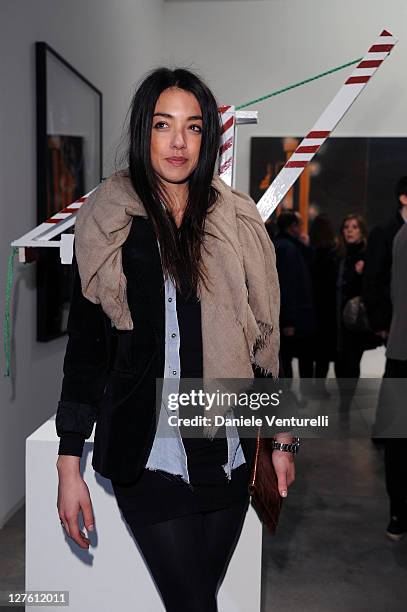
[[110, 375]]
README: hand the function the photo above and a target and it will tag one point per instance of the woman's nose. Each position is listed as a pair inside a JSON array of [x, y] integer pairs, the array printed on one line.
[[178, 140]]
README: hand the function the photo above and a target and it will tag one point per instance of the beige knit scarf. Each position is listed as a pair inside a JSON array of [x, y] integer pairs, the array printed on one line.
[[240, 311]]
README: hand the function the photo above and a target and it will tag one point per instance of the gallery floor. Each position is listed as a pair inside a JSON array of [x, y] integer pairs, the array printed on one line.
[[330, 553]]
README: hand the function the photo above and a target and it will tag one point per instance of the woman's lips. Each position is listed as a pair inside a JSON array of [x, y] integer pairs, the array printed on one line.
[[176, 161]]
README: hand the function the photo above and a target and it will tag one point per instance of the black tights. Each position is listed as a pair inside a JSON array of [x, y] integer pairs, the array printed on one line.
[[188, 556]]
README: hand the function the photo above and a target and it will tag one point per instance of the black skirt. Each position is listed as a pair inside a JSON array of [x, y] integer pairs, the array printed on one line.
[[158, 495]]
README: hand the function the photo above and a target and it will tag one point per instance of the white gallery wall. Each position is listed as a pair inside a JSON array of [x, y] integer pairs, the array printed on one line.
[[248, 48], [243, 48], [112, 43]]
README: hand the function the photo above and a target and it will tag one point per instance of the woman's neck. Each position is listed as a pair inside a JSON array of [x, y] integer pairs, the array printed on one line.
[[176, 200], [354, 247]]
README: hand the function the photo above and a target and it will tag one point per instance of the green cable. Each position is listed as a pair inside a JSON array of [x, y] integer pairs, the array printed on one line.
[[6, 322], [314, 78]]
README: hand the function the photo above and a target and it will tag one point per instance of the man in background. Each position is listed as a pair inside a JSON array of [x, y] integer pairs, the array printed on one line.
[[377, 269], [391, 419], [379, 278], [297, 318]]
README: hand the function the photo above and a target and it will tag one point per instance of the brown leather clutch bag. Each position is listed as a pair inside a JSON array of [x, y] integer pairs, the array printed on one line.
[[263, 485]]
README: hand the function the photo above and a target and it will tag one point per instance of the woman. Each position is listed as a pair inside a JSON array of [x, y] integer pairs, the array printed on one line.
[[351, 343], [175, 280]]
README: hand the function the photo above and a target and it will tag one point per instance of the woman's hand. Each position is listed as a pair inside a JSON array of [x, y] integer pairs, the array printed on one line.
[[73, 496], [283, 463], [359, 265]]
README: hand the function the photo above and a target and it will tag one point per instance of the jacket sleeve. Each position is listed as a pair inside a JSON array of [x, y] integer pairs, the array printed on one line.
[[85, 370]]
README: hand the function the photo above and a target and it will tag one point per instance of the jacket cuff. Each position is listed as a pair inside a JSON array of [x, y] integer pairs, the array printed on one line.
[[71, 443], [75, 417]]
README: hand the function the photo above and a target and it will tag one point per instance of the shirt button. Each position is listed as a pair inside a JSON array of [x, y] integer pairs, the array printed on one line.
[[173, 335], [174, 372], [170, 299]]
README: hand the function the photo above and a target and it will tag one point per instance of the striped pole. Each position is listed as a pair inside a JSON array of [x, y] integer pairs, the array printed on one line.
[[227, 144], [329, 119], [61, 221], [42, 234]]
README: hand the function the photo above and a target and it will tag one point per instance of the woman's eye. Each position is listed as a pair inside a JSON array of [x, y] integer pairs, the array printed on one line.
[[196, 128], [160, 124]]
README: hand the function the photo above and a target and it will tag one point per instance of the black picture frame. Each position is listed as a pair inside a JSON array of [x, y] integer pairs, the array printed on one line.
[[69, 114]]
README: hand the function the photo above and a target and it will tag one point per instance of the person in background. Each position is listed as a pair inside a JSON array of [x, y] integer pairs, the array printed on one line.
[[351, 344], [396, 368], [271, 227], [377, 273], [391, 421], [323, 242], [297, 318]]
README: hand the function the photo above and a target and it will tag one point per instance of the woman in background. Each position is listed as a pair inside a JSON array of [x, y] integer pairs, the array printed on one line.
[[351, 343]]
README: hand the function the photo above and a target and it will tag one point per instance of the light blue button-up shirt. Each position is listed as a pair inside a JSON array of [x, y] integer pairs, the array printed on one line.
[[168, 451]]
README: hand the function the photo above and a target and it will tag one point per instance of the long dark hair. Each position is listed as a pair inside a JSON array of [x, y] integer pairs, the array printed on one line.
[[180, 249]]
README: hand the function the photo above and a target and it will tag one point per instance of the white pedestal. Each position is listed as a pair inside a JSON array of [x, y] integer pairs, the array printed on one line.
[[111, 574]]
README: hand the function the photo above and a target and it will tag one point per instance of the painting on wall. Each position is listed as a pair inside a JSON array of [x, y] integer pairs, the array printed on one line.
[[347, 175], [65, 171], [69, 164]]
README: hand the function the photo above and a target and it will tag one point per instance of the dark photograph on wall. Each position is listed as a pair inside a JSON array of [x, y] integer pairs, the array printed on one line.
[[69, 164], [65, 171], [347, 175]]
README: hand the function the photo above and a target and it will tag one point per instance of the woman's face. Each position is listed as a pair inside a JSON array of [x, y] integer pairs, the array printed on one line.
[[176, 135], [351, 232]]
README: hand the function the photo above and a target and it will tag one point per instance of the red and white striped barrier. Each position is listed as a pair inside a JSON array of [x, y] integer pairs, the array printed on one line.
[[42, 235], [53, 226], [227, 145], [329, 119], [230, 118]]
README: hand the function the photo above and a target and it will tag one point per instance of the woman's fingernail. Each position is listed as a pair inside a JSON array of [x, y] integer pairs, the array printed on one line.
[[90, 528], [283, 493]]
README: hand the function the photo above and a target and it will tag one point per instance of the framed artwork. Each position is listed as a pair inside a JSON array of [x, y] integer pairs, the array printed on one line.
[[69, 164], [347, 175]]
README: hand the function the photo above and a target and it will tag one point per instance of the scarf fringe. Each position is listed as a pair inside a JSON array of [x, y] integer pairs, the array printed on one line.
[[261, 341]]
